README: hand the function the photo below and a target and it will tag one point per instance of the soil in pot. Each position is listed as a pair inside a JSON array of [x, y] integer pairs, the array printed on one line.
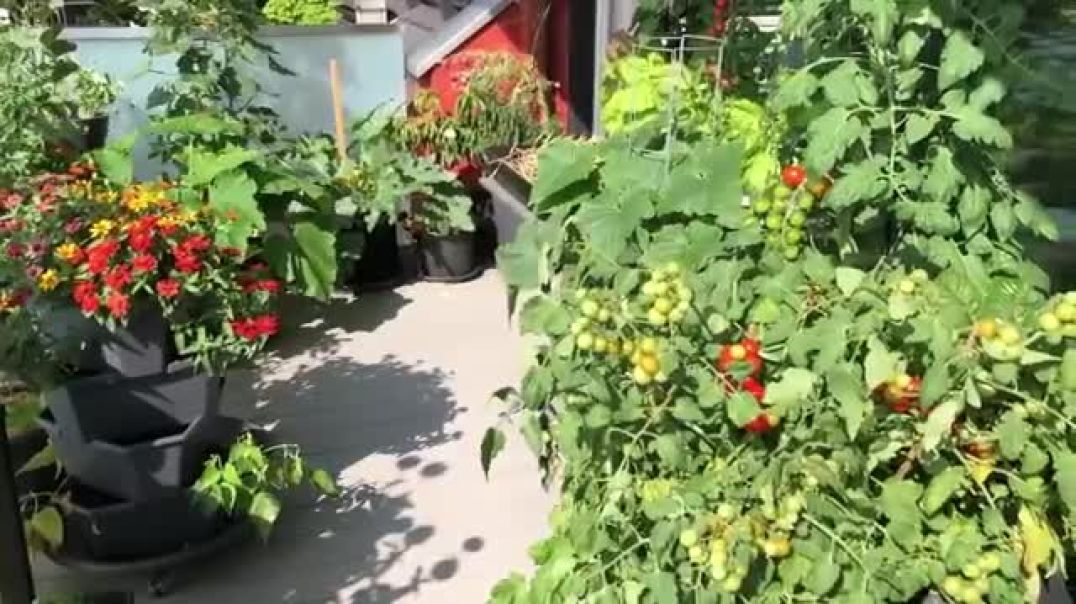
[[101, 528], [113, 408], [449, 258], [379, 266]]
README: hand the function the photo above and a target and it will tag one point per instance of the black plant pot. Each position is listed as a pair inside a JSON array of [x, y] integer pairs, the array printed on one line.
[[139, 348], [509, 193], [94, 132], [449, 258], [121, 410], [146, 470], [24, 446], [101, 528], [379, 267]]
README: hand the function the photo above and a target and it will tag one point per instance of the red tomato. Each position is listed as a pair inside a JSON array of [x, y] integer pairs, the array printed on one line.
[[754, 388], [764, 422], [793, 175]]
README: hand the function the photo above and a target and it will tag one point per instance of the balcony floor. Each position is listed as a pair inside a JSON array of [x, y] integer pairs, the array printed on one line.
[[391, 392]]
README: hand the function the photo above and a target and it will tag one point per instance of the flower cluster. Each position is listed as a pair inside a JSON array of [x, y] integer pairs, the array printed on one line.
[[110, 250]]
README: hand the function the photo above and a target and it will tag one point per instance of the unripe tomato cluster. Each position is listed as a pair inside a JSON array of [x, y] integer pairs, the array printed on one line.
[[646, 366], [741, 366], [594, 330], [1059, 320], [715, 556], [1001, 340], [975, 582], [783, 212], [901, 394], [910, 285], [666, 296]]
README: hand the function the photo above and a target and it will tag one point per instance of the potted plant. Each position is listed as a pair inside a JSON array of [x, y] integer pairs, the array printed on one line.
[[442, 225], [92, 94]]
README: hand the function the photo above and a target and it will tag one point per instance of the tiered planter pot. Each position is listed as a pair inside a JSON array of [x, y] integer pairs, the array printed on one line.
[[509, 193], [139, 348]]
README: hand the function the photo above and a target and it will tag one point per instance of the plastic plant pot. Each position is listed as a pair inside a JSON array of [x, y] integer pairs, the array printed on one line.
[[139, 348], [449, 258]]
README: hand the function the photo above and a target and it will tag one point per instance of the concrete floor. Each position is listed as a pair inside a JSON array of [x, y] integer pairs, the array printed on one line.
[[391, 392]]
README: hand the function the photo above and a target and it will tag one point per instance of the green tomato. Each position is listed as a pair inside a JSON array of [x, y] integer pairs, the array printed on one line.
[[732, 584], [780, 205], [689, 537], [696, 554], [970, 595], [1049, 322], [953, 585], [650, 288], [584, 341], [600, 345], [793, 236], [791, 253], [1066, 311], [761, 206], [773, 240], [656, 318], [1070, 298], [907, 286], [798, 218], [581, 294], [672, 269], [675, 316], [782, 191], [805, 202], [920, 276], [641, 377], [971, 571], [590, 308], [990, 562], [718, 571], [663, 305], [774, 222]]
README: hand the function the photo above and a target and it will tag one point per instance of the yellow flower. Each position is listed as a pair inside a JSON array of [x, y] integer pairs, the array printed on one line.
[[48, 280], [67, 251], [106, 196], [168, 221], [102, 228], [139, 202]]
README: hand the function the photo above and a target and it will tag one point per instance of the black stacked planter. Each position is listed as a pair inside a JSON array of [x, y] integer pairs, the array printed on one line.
[[132, 441]]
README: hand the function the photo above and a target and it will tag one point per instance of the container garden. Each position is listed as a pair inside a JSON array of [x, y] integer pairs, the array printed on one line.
[[139, 348], [144, 470], [449, 258], [117, 409], [106, 529]]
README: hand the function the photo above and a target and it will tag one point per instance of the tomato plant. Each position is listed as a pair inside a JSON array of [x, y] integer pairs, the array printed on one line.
[[823, 421]]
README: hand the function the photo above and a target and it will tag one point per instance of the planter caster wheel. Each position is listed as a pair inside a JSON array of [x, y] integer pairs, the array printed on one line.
[[161, 584]]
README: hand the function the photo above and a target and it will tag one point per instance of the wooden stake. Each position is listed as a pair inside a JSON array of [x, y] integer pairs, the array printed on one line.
[[338, 109]]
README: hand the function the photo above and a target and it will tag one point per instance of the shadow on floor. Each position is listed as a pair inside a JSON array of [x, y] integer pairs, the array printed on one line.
[[311, 326]]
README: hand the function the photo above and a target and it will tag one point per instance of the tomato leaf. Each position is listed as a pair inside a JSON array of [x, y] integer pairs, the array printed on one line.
[[492, 444], [742, 408], [960, 58], [941, 488]]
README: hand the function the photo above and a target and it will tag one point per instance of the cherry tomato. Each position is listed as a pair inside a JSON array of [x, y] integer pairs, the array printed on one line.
[[754, 388], [793, 175]]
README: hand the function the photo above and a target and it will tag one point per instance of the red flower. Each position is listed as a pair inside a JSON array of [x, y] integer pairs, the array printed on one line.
[[144, 263], [246, 329], [34, 271], [118, 277], [11, 200], [186, 262], [267, 324], [140, 240], [73, 226], [168, 288], [100, 254], [271, 286], [147, 222], [89, 303], [15, 250], [83, 289], [247, 283], [10, 225], [119, 305], [168, 229], [196, 243]]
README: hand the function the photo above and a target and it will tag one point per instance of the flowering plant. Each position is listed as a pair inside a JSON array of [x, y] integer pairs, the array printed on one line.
[[107, 249]]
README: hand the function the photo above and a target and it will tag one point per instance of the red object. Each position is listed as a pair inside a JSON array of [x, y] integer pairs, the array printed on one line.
[[168, 288], [118, 277], [793, 175], [119, 304], [144, 263], [186, 262], [763, 422], [754, 388]]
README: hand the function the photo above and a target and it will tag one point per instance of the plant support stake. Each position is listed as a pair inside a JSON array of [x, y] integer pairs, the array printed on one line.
[[338, 109], [16, 578]]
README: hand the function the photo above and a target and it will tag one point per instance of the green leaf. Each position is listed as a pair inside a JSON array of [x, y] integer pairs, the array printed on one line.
[[830, 136], [791, 390], [989, 92], [1065, 477], [898, 502], [941, 488], [974, 126], [492, 444], [973, 208], [824, 575], [849, 279], [561, 163], [1003, 219], [883, 15], [315, 258], [1067, 372], [840, 84], [920, 126], [944, 179], [523, 263], [851, 395], [264, 511], [935, 384], [880, 366], [960, 58], [598, 416], [232, 197], [1012, 433], [742, 408], [115, 161], [543, 315], [323, 482], [196, 124], [48, 524], [203, 166], [796, 90], [861, 182], [940, 423], [662, 588], [909, 46]]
